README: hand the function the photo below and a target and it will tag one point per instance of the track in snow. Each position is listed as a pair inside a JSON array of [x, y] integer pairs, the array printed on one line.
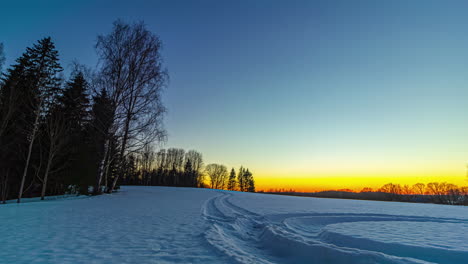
[[248, 237]]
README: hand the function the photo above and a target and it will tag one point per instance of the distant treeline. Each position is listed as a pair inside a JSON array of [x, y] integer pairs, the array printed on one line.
[[93, 130], [434, 192], [176, 167]]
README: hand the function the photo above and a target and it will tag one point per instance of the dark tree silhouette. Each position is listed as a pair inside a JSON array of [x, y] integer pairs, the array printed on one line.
[[196, 160], [250, 183], [241, 179], [232, 180], [41, 68], [133, 75], [217, 174]]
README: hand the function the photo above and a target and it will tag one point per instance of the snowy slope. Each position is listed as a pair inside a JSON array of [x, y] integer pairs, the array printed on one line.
[[185, 225]]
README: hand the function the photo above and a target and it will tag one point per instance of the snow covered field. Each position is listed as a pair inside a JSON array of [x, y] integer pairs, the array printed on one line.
[[185, 225]]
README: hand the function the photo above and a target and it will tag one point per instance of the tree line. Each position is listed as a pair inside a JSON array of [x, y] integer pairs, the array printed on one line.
[[177, 167], [94, 129], [433, 192]]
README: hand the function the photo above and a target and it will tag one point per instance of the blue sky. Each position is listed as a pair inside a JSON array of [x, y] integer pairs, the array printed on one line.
[[291, 88]]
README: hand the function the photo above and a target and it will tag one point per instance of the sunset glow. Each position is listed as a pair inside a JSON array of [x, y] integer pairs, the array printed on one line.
[[234, 131], [308, 95]]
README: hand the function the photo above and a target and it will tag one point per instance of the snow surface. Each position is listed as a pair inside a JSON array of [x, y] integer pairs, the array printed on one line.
[[186, 225]]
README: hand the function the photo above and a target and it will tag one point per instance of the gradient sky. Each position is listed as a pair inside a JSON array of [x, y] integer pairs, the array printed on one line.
[[307, 94]]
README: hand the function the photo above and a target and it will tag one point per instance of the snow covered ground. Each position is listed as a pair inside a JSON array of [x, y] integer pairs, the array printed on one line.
[[185, 225]]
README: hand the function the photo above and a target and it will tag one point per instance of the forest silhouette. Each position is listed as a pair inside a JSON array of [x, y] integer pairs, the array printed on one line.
[[98, 128]]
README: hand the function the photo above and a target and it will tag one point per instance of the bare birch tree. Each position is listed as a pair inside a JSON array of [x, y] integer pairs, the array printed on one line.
[[134, 77]]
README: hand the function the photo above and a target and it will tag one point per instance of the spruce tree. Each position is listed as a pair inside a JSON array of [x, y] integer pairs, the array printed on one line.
[[249, 180], [14, 95], [241, 179], [41, 68], [232, 180], [74, 106], [75, 102]]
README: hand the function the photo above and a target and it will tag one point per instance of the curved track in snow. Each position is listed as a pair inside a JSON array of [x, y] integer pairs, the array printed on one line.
[[248, 237]]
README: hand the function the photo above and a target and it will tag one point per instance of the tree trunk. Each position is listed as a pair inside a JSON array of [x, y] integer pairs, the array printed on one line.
[[122, 152], [28, 158], [102, 168], [44, 183], [106, 174]]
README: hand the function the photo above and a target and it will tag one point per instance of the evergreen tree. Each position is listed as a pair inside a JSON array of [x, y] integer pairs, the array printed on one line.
[[232, 180], [75, 103], [241, 179], [13, 141], [39, 68], [249, 180], [74, 106]]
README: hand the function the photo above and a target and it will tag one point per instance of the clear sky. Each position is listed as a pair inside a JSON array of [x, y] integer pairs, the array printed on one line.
[[307, 94]]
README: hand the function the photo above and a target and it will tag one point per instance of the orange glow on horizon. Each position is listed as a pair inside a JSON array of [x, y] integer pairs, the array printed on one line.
[[358, 172], [355, 183]]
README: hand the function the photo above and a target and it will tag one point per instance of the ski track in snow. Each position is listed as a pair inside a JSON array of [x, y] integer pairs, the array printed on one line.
[[249, 237], [187, 225]]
